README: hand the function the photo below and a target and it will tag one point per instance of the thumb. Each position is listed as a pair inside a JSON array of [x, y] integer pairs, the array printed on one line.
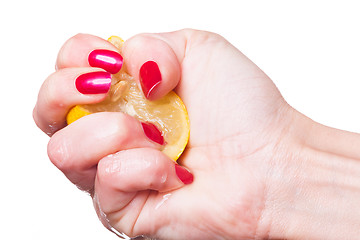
[[154, 60]]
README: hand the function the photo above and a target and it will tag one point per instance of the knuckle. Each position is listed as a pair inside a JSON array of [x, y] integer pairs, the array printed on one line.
[[51, 93], [35, 116], [202, 37], [123, 132], [66, 52], [58, 152], [106, 170], [159, 171], [55, 87], [78, 36], [188, 31], [73, 40]]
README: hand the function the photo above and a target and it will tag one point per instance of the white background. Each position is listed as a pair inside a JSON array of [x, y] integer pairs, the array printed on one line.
[[311, 50]]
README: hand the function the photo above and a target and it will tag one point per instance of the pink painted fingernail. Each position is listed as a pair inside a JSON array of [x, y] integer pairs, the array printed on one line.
[[183, 174], [153, 133], [150, 77], [108, 60], [93, 82]]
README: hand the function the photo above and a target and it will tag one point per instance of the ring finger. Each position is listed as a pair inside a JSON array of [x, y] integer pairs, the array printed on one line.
[[76, 149]]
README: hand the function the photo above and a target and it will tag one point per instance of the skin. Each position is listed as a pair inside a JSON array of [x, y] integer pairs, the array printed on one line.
[[261, 169]]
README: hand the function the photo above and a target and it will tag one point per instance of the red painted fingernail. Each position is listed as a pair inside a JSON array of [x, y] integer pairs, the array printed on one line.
[[93, 82], [183, 174], [153, 133], [108, 60], [150, 77]]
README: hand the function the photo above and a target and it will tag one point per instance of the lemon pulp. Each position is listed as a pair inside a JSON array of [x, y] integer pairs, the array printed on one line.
[[168, 114]]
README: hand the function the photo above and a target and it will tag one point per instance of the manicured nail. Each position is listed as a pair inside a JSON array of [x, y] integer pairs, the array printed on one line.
[[153, 133], [93, 82], [183, 174], [150, 77], [108, 60]]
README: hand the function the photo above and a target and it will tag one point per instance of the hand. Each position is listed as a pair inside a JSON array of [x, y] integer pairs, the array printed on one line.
[[236, 114], [240, 149]]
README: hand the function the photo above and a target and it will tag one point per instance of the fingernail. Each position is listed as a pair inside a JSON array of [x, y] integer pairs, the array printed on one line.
[[93, 82], [153, 133], [108, 60], [150, 77], [183, 174]]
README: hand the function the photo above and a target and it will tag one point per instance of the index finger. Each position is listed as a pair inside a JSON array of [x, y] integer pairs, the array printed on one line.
[[75, 51]]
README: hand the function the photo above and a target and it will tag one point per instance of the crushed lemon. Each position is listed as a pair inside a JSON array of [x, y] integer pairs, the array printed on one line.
[[168, 114]]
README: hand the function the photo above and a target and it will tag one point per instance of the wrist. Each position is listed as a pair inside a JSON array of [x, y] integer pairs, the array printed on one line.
[[314, 183]]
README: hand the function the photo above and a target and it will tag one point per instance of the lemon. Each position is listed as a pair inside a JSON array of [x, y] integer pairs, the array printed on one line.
[[168, 114], [116, 41]]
